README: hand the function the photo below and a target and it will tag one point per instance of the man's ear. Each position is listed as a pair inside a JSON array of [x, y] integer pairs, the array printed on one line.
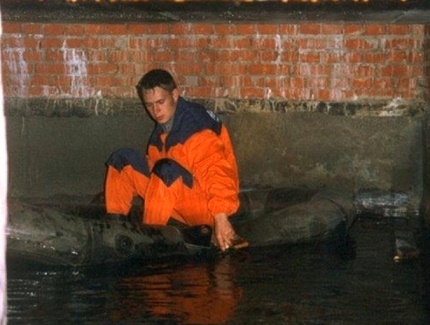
[[175, 94]]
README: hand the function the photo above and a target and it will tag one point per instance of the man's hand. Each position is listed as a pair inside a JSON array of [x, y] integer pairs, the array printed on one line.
[[224, 231]]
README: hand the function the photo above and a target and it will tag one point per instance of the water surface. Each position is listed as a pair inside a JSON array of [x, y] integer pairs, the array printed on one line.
[[313, 284]]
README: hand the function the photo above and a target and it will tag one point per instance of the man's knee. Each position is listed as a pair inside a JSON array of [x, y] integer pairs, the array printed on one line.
[[168, 170], [126, 156]]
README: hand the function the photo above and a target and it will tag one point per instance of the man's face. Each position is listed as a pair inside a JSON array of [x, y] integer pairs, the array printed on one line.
[[160, 103]]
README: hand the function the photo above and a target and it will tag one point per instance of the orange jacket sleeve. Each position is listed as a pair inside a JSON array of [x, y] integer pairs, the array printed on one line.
[[214, 167]]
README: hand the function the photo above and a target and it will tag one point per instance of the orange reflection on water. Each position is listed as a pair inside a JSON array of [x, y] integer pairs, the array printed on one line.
[[191, 294]]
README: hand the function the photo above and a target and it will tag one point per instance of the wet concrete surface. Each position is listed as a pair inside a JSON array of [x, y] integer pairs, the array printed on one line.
[[388, 11]]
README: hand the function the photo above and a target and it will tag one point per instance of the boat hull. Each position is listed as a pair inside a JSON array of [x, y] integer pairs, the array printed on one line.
[[55, 235]]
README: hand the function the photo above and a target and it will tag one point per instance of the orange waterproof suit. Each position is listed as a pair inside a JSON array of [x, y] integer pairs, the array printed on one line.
[[190, 173]]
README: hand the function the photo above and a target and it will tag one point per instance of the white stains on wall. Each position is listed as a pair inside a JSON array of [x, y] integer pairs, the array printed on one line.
[[75, 61], [340, 72], [279, 49], [19, 74]]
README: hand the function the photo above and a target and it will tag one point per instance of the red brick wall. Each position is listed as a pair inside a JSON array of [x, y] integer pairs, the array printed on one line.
[[328, 62]]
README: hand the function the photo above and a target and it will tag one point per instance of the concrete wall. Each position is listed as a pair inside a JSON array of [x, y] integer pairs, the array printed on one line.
[[52, 155]]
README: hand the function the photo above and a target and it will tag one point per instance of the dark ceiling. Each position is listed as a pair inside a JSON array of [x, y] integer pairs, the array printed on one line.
[[214, 11]]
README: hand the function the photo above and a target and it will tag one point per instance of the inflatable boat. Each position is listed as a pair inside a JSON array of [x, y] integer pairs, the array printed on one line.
[[74, 234]]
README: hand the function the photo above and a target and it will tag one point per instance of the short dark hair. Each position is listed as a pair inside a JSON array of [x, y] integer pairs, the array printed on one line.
[[155, 78]]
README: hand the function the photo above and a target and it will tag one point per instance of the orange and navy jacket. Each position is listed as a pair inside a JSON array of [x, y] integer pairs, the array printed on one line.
[[200, 143]]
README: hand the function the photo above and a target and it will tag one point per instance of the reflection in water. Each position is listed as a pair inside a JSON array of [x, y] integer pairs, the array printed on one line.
[[190, 294], [316, 284]]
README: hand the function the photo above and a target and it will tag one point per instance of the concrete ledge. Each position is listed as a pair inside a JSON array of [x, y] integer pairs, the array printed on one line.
[[80, 107], [384, 11]]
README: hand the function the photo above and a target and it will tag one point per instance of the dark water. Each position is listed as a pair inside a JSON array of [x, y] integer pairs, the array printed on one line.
[[314, 284]]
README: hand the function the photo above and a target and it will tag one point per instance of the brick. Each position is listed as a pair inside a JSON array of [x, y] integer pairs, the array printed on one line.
[[310, 29], [418, 30], [30, 55], [162, 56], [205, 56], [304, 69], [362, 82], [290, 56], [30, 28], [115, 29], [60, 80], [104, 81], [400, 70], [116, 56], [241, 43], [180, 29], [108, 42], [316, 43], [94, 29], [35, 91], [74, 29], [221, 42], [137, 29], [187, 69], [243, 29], [331, 57], [251, 92], [374, 29], [262, 43], [101, 68], [99, 56], [398, 29], [158, 29], [331, 29], [51, 68], [54, 29], [203, 29], [353, 29], [353, 57], [416, 58], [138, 56], [200, 92], [42, 80], [270, 82], [237, 55], [364, 70], [268, 56], [259, 69], [340, 82], [221, 29], [212, 81], [396, 56], [324, 94], [309, 57], [188, 55], [289, 29], [10, 28], [51, 42], [400, 43], [360, 44], [72, 42], [54, 55], [267, 29], [375, 58], [297, 81]]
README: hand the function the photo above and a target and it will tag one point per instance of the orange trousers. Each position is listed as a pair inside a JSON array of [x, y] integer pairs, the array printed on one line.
[[161, 202]]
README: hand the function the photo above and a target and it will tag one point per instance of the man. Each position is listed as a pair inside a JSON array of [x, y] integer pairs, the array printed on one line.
[[189, 172]]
